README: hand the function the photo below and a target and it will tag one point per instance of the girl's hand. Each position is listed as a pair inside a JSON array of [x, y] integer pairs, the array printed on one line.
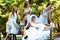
[[44, 15]]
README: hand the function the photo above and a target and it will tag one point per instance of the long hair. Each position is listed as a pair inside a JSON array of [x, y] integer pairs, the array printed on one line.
[[14, 9], [33, 17], [26, 4], [25, 20], [48, 4]]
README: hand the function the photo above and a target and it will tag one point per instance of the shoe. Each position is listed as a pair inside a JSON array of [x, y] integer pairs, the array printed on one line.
[[25, 37]]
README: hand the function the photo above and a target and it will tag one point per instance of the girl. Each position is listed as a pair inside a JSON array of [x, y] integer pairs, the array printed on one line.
[[44, 20], [44, 14], [33, 29], [35, 32], [11, 25], [27, 11], [28, 35]]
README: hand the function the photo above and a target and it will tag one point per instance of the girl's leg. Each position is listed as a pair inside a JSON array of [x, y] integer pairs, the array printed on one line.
[[47, 24], [14, 37], [10, 37], [6, 36]]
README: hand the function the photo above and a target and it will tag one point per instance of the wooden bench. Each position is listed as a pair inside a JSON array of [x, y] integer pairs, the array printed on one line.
[[21, 32], [0, 29]]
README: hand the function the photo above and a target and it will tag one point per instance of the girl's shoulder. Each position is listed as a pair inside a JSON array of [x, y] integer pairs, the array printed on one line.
[[44, 9], [10, 13], [30, 8]]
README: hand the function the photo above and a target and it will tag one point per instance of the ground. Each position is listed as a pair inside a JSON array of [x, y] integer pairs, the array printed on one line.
[[19, 37]]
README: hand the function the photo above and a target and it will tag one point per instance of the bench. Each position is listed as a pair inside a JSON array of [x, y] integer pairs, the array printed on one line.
[[14, 36], [0, 29], [21, 32]]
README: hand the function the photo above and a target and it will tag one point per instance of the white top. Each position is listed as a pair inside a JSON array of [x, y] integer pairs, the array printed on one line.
[[38, 25], [46, 13], [26, 11], [12, 17]]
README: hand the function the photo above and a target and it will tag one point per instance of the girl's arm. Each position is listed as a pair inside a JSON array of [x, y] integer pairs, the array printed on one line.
[[50, 16], [47, 28], [30, 11], [23, 11], [18, 19], [51, 25], [27, 24], [9, 15], [34, 25], [42, 11]]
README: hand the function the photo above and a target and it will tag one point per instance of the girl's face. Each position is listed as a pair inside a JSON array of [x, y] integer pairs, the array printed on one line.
[[24, 18], [49, 7], [27, 4], [15, 9], [33, 19]]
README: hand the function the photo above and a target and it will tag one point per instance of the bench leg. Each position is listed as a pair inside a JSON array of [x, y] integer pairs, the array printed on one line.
[[14, 37], [0, 36], [10, 37]]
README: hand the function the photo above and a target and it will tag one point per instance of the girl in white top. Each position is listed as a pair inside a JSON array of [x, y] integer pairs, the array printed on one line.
[[44, 14], [11, 25], [27, 11], [44, 20], [36, 30], [32, 29]]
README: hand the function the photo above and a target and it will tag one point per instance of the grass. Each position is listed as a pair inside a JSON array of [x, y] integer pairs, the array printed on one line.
[[19, 37]]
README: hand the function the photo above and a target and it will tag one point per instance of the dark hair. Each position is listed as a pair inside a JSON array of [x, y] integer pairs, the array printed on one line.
[[24, 15], [33, 17], [25, 4], [25, 20], [48, 4], [13, 9]]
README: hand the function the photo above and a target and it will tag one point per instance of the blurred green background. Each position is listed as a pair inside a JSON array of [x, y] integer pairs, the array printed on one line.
[[36, 5]]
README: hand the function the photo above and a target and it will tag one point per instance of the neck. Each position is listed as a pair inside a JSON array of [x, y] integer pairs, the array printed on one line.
[[48, 9], [33, 21], [27, 7]]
